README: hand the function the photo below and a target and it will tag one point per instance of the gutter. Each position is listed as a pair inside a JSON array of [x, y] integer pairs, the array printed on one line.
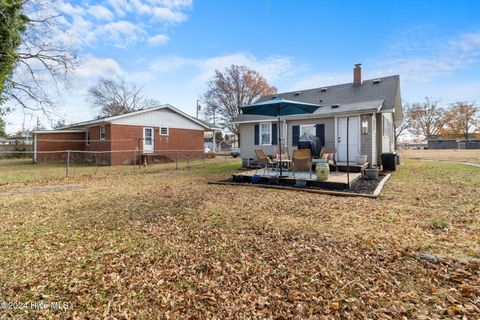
[[59, 131], [313, 116]]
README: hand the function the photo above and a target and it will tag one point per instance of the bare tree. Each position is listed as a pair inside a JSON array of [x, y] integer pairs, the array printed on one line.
[[400, 130], [114, 97], [42, 58], [59, 124], [150, 103], [426, 119], [228, 91], [405, 126], [462, 120]]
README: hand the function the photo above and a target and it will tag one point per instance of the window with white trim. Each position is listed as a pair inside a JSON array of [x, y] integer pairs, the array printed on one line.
[[163, 131], [87, 137], [102, 132], [265, 134], [308, 129]]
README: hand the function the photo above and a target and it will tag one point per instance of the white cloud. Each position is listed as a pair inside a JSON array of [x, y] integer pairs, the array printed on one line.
[[101, 13], [120, 33], [170, 63], [119, 6], [272, 67], [419, 60], [174, 3], [68, 9], [168, 15], [158, 39], [121, 22], [97, 67]]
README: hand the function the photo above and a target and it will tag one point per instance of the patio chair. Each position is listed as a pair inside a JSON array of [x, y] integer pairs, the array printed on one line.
[[329, 154], [264, 160], [302, 161]]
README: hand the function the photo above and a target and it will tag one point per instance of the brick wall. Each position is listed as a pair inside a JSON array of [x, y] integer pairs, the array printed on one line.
[[123, 140], [98, 145], [58, 142], [127, 137]]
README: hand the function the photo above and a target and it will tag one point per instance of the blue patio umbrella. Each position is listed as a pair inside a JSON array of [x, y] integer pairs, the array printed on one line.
[[279, 107]]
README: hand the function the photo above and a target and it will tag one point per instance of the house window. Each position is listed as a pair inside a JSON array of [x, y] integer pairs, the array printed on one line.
[[87, 141], [364, 125], [265, 134], [308, 130], [386, 127], [102, 132], [163, 131]]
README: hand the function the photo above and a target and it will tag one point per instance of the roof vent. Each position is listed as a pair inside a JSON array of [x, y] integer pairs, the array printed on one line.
[[323, 89], [375, 81], [334, 106], [297, 93]]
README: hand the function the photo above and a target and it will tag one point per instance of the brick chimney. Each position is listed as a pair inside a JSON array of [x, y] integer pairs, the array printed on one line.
[[357, 74]]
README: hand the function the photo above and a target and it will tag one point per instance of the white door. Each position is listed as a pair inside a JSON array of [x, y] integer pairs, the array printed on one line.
[[353, 139], [148, 142]]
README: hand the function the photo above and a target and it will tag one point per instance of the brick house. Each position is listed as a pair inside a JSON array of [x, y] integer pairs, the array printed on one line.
[[153, 133]]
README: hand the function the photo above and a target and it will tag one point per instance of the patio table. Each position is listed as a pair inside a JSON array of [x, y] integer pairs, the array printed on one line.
[[282, 161]]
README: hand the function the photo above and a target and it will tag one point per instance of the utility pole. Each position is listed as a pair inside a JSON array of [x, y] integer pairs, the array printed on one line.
[[198, 106]]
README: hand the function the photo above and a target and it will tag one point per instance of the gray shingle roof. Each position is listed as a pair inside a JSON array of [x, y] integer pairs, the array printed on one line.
[[356, 107], [371, 94]]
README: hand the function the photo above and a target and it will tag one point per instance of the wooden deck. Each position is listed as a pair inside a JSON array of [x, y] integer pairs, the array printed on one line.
[[342, 166], [336, 180]]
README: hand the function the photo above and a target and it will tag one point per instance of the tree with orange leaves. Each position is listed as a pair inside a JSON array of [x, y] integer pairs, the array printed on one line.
[[426, 119], [462, 120]]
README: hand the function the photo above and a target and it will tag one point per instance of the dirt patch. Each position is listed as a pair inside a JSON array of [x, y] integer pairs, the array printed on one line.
[[42, 189]]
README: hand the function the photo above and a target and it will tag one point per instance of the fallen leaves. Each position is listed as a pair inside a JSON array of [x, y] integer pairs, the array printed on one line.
[[170, 246]]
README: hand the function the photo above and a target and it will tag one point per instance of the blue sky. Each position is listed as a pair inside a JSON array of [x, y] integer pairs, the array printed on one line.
[[172, 47]]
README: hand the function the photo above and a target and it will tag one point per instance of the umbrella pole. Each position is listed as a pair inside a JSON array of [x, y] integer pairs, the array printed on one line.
[[348, 156], [279, 143]]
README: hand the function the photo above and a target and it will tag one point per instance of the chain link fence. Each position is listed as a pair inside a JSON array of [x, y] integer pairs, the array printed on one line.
[[16, 166]]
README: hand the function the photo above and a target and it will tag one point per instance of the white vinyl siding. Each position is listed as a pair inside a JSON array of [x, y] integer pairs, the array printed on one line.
[[159, 118], [247, 131], [385, 136]]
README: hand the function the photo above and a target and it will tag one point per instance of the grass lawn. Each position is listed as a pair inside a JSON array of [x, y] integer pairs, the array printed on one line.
[[446, 155], [162, 243]]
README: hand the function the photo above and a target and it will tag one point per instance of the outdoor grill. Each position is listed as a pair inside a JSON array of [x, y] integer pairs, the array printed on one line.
[[310, 142]]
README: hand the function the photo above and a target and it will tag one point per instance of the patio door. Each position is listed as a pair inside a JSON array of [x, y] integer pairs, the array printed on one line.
[[353, 139], [148, 141]]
